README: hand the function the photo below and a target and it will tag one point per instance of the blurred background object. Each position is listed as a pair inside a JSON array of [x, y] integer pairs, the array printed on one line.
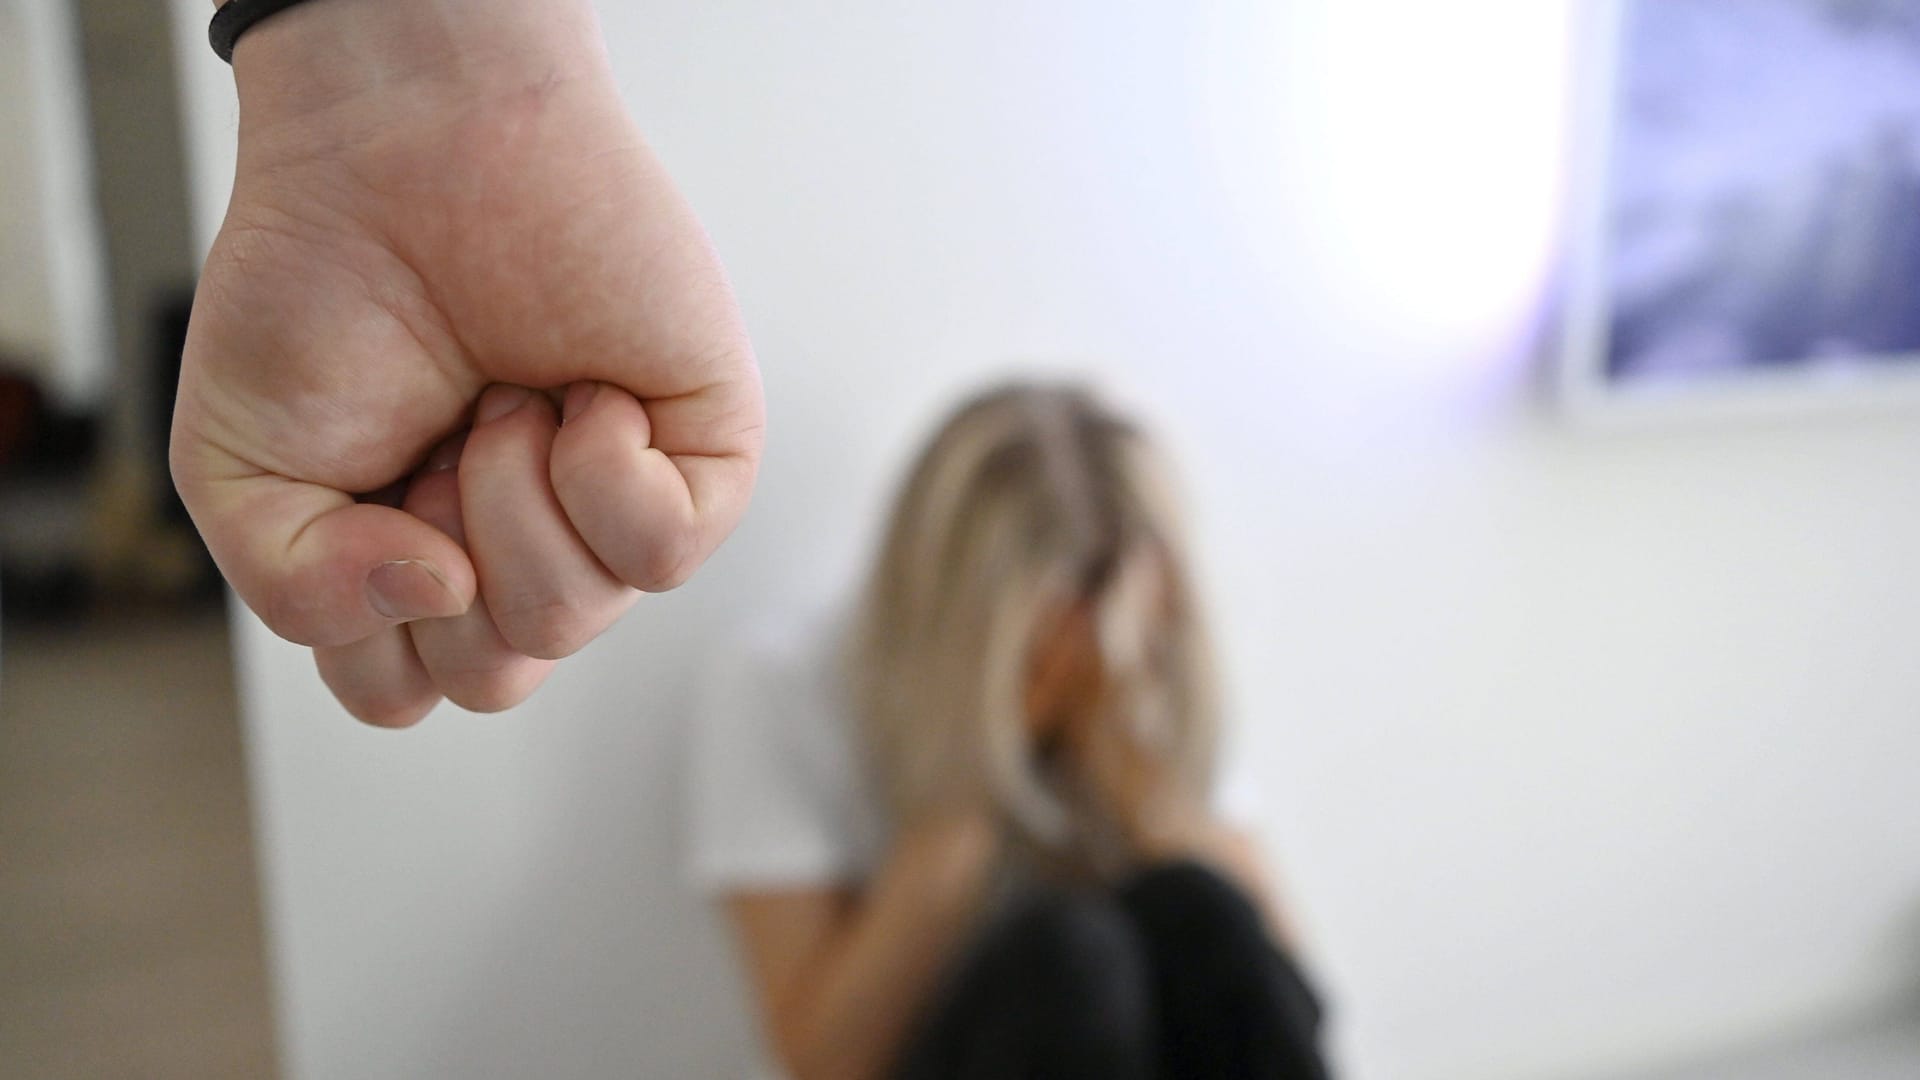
[[99, 267], [1751, 227], [130, 942], [1585, 753]]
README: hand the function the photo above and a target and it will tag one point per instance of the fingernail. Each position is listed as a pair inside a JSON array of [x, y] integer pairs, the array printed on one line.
[[408, 589], [498, 401], [447, 455], [579, 397]]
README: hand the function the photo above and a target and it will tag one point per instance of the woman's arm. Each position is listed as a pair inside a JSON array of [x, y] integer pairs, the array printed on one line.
[[842, 976]]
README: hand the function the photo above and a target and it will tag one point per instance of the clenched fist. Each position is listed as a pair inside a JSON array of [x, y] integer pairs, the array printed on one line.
[[453, 272]]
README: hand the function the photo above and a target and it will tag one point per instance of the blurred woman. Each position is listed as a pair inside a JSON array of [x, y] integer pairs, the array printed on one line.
[[968, 832]]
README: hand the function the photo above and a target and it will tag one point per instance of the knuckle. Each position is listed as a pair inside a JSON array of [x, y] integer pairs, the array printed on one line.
[[372, 703], [666, 561], [394, 714], [484, 692], [546, 630], [288, 613]]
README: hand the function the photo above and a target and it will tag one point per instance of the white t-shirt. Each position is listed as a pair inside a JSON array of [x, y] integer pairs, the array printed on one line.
[[779, 794]]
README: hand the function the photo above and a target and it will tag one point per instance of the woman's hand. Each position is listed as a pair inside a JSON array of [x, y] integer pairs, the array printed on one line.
[[1080, 727], [1131, 786]]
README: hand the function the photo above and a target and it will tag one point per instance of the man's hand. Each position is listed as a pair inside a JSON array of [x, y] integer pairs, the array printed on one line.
[[437, 205]]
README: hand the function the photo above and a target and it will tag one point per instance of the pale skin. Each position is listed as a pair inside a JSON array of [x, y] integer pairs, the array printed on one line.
[[439, 204], [842, 973]]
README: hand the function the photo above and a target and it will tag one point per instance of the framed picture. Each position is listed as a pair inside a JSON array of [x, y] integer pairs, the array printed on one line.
[[1746, 229]]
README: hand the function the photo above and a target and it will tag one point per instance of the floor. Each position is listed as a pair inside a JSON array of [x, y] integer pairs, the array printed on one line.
[[1885, 1050], [130, 941]]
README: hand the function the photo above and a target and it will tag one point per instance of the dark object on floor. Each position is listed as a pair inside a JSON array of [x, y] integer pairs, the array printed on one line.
[[19, 401], [39, 440], [46, 457]]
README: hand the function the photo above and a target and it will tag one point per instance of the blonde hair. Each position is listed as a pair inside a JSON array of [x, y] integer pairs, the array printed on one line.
[[1030, 499]]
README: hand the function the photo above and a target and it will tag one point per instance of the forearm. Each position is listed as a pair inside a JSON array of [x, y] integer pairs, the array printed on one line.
[[859, 1002]]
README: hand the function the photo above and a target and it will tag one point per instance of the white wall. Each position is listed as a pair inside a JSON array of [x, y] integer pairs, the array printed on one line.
[[1582, 751], [53, 309]]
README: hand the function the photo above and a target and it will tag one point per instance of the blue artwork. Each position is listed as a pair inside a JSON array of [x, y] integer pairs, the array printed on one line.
[[1763, 189]]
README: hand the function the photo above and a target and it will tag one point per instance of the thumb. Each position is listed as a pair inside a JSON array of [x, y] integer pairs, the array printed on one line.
[[317, 567]]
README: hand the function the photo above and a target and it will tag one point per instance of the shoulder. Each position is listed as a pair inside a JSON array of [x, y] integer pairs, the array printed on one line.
[[777, 787]]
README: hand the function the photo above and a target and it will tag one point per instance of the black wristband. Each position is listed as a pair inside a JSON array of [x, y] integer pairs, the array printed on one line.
[[236, 17]]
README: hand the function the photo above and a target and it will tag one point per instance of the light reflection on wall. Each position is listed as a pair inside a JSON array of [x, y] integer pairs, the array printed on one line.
[[1416, 150]]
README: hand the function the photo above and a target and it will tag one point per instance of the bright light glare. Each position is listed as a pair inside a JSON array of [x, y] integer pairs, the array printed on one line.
[[1416, 148]]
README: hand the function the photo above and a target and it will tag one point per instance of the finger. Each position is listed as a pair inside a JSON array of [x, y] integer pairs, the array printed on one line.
[[379, 679], [465, 656], [652, 314], [317, 567], [650, 513], [548, 593]]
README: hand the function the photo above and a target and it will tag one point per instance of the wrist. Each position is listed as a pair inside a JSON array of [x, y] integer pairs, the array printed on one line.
[[378, 59], [1170, 830], [952, 849]]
